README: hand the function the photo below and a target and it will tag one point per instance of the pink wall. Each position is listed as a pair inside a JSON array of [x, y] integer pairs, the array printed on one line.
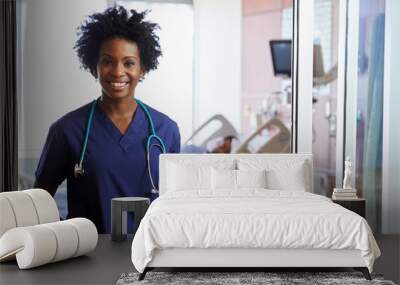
[[261, 23]]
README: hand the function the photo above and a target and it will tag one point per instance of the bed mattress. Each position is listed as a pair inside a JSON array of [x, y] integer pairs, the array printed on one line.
[[251, 219]]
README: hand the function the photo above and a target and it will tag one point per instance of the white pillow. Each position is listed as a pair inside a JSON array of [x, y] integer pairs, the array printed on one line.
[[282, 174], [292, 179], [251, 178], [223, 179], [182, 177]]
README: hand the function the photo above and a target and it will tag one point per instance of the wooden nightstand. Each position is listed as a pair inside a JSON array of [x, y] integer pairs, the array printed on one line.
[[355, 205]]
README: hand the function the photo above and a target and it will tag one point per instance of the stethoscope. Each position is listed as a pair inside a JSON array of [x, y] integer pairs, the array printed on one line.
[[79, 170]]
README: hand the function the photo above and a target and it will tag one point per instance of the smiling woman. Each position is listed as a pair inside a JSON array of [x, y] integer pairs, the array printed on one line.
[[115, 139], [119, 71], [119, 67]]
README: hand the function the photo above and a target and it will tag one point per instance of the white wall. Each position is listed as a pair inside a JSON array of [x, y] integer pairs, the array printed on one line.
[[50, 80], [391, 134], [170, 87], [217, 65]]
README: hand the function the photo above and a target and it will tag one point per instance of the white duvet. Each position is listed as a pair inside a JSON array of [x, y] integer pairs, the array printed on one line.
[[251, 218]]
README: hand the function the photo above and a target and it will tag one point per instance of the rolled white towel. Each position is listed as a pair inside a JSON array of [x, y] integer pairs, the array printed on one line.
[[40, 244], [23, 208], [33, 246], [45, 205], [67, 240], [87, 235], [26, 208], [7, 218]]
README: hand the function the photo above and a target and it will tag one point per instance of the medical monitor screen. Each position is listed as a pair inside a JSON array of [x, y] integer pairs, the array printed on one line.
[[281, 51]]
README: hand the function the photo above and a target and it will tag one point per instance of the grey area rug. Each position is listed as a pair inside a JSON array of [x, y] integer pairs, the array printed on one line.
[[225, 278]]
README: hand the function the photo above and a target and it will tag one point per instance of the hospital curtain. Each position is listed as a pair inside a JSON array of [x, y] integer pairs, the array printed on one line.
[[372, 165], [8, 98]]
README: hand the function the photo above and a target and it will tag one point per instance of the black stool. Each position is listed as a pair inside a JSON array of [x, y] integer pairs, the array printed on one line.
[[119, 209]]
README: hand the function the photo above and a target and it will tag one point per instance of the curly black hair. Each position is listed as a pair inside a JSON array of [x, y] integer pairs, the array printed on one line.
[[115, 22]]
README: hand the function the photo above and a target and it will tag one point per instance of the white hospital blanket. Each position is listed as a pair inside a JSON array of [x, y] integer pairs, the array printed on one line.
[[250, 218]]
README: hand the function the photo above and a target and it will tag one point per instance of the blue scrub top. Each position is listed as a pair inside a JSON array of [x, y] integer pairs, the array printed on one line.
[[115, 165]]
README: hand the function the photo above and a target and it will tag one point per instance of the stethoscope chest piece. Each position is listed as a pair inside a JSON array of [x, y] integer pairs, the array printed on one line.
[[78, 170]]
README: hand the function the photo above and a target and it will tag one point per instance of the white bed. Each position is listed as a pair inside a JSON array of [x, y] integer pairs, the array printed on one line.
[[198, 223]]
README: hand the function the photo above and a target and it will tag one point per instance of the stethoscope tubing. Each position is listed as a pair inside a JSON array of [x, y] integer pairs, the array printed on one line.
[[88, 126], [79, 167]]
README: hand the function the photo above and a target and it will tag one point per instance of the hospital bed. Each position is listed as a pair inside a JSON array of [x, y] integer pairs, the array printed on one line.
[[260, 141], [278, 143], [204, 218], [224, 129]]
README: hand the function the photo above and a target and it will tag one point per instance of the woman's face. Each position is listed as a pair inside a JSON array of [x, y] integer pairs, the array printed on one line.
[[119, 68]]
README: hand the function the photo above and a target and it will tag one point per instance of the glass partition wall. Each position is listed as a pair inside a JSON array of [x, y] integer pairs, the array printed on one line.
[[363, 103], [353, 104], [369, 114], [325, 67], [391, 117], [364, 123]]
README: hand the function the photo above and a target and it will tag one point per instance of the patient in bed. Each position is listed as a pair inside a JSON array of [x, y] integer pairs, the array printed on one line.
[[219, 145]]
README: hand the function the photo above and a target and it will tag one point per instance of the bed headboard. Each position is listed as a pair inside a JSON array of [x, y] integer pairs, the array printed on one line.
[[234, 159]]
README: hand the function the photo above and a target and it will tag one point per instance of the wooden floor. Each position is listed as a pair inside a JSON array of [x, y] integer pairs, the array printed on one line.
[[389, 262], [106, 264]]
